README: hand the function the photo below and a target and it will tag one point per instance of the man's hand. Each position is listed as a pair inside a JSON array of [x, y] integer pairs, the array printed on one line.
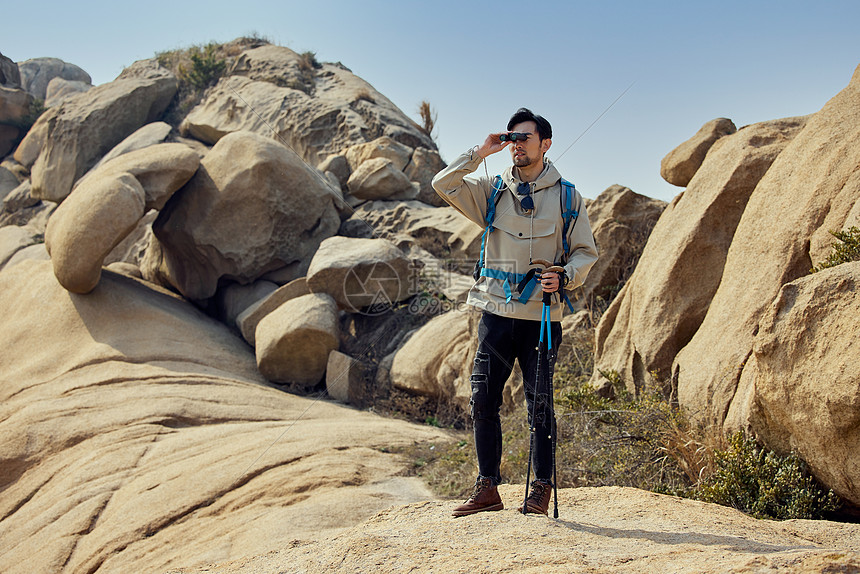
[[492, 145], [549, 281]]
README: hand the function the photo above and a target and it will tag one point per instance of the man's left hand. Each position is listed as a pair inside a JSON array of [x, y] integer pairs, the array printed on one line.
[[549, 282]]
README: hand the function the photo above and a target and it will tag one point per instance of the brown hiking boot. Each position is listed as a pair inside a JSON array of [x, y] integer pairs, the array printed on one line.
[[538, 500], [484, 497]]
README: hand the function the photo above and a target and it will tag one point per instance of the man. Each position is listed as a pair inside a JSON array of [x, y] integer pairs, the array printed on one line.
[[528, 225]]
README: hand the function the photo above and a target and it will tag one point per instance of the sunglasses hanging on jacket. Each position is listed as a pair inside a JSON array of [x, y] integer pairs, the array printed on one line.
[[526, 202]]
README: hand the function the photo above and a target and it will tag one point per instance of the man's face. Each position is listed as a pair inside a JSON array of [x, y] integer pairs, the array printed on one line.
[[528, 152]]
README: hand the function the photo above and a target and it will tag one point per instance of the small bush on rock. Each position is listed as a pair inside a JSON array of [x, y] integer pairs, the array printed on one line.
[[846, 250], [763, 484], [206, 66]]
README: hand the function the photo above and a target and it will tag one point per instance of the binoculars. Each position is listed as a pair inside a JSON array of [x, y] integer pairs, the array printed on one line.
[[513, 136]]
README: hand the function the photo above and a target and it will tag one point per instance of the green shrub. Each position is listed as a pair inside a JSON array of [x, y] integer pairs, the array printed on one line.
[[764, 484], [206, 66], [847, 249]]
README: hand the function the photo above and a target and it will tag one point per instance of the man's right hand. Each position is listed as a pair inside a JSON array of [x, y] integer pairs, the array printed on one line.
[[492, 145]]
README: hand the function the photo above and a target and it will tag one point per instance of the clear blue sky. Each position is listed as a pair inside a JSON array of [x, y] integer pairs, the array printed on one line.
[[477, 61]]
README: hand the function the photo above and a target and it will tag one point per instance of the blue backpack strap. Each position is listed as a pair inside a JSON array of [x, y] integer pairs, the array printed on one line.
[[508, 277], [568, 214], [498, 186]]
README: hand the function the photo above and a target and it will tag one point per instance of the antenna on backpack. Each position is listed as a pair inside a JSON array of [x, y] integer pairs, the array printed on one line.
[[597, 119]]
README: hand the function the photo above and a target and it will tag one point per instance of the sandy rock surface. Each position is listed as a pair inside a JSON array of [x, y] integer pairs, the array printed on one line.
[[136, 435], [599, 530]]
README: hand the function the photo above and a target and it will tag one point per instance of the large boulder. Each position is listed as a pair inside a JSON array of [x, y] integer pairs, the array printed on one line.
[[87, 227], [161, 169], [667, 297], [253, 207], [680, 165], [107, 207], [811, 188], [383, 147], [131, 421], [379, 178], [10, 75], [81, 130], [436, 360], [804, 378], [425, 164], [317, 109], [362, 273], [293, 342], [150, 134], [621, 221], [60, 89], [14, 107], [37, 73], [250, 317]]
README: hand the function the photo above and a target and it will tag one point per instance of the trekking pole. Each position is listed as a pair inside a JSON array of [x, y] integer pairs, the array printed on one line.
[[543, 375]]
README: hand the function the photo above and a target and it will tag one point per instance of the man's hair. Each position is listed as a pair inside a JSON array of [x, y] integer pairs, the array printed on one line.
[[526, 115]]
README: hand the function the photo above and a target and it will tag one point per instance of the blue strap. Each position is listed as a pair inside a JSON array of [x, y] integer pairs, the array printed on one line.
[[567, 213], [491, 215], [548, 330], [566, 300], [545, 326], [509, 277], [542, 321]]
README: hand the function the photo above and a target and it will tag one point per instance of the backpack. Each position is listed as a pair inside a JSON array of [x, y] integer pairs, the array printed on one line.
[[569, 217]]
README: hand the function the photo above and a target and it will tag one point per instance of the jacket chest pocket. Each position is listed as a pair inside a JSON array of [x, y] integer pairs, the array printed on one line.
[[520, 227], [517, 239]]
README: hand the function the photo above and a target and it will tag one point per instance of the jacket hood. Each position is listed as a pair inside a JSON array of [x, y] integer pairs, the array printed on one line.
[[548, 177]]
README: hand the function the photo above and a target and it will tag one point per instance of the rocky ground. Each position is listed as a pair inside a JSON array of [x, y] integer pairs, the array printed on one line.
[[607, 529]]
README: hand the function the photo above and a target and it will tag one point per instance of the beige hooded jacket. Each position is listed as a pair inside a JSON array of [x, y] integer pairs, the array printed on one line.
[[519, 235]]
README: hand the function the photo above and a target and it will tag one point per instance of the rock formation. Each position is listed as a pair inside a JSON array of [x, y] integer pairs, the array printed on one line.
[[667, 296], [38, 73], [317, 109], [292, 206], [73, 136], [752, 222], [809, 189], [137, 435], [623, 220], [108, 205], [254, 207]]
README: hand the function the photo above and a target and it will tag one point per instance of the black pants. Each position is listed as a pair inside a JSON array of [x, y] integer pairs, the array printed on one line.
[[500, 341]]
